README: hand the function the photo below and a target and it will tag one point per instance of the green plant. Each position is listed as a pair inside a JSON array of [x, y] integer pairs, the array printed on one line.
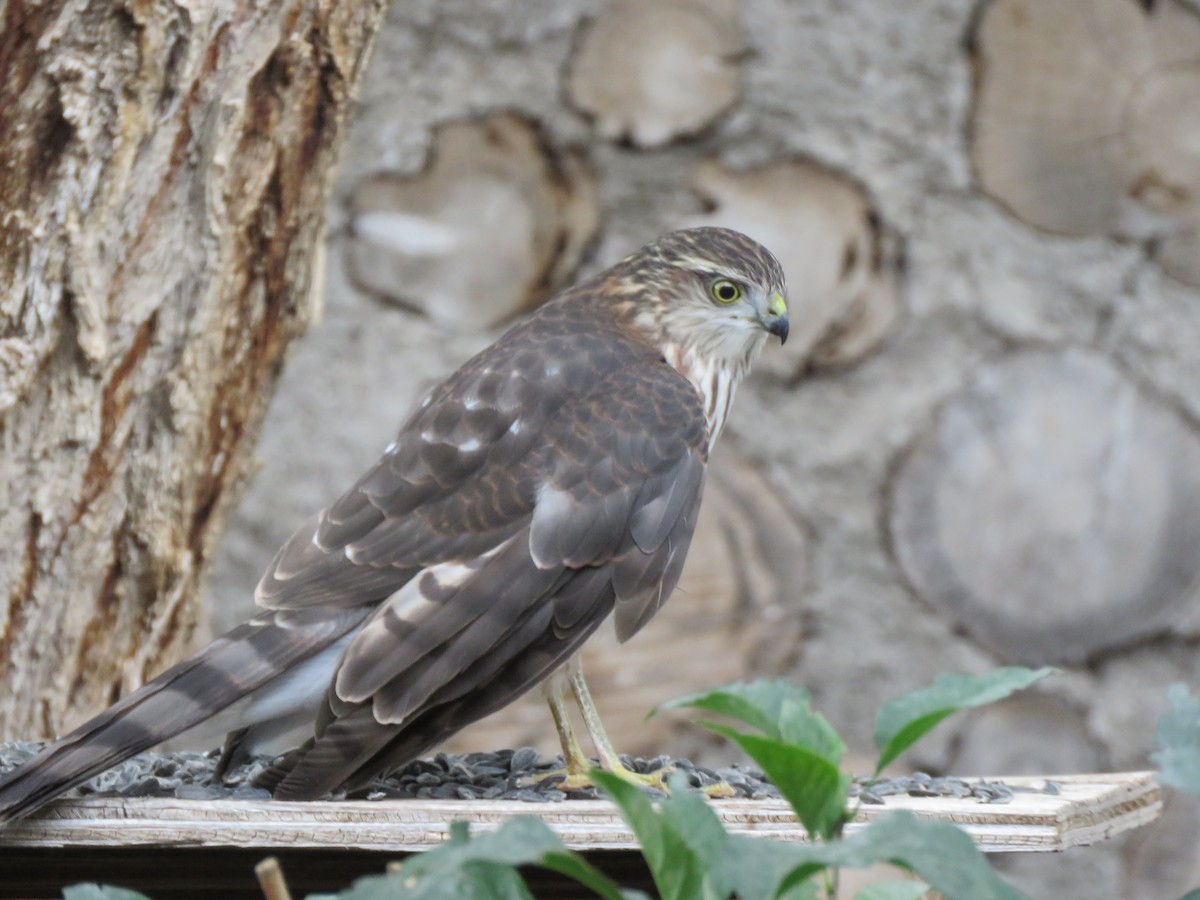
[[1178, 755], [688, 851], [1178, 739], [483, 867], [801, 754], [100, 892]]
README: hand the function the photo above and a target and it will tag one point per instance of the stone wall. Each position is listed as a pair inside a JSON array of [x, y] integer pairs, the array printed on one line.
[[980, 449]]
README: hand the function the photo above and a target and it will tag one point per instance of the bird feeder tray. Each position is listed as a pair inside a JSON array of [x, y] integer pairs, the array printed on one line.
[[182, 834], [1086, 809]]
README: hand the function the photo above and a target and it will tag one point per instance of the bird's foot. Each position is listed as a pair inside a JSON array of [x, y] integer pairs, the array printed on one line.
[[570, 777], [577, 778], [720, 790], [559, 779], [658, 778]]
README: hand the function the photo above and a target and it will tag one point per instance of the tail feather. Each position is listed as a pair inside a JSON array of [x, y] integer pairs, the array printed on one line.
[[232, 667]]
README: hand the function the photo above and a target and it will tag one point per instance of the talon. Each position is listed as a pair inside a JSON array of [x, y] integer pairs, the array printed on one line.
[[573, 774], [722, 790], [566, 780], [561, 779]]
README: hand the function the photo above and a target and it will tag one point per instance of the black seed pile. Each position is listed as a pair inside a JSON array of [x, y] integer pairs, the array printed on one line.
[[522, 775], [502, 775], [920, 784]]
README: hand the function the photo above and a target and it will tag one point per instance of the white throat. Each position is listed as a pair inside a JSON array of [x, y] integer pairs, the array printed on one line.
[[715, 379]]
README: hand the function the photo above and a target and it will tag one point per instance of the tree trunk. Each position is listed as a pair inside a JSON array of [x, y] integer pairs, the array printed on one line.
[[163, 172]]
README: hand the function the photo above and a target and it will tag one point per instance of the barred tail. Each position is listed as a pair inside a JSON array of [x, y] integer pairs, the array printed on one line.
[[197, 689]]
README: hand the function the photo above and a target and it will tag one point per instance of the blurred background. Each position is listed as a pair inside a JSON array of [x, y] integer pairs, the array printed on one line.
[[982, 444]]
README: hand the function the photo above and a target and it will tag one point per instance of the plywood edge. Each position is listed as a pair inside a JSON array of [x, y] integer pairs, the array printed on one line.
[[1086, 809]]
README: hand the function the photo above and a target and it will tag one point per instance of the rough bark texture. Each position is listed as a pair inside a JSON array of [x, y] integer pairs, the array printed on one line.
[[163, 172]]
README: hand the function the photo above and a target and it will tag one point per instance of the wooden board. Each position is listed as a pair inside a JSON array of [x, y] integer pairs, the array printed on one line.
[[1089, 808]]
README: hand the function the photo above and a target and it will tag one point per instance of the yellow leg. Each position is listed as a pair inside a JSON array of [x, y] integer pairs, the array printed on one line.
[[577, 764], [573, 775], [609, 758], [577, 761]]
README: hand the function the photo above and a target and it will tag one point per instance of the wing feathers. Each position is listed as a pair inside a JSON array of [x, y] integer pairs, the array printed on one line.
[[552, 480], [663, 501], [356, 747], [643, 581], [424, 617], [318, 769], [494, 637], [522, 562], [340, 526], [576, 531]]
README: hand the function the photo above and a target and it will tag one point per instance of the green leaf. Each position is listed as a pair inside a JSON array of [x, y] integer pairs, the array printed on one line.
[[893, 890], [678, 871], [805, 890], [758, 703], [726, 874], [905, 720], [693, 819], [811, 783], [473, 880], [798, 724], [753, 868], [940, 853], [519, 841], [575, 866], [483, 867], [779, 709], [100, 892], [1178, 739]]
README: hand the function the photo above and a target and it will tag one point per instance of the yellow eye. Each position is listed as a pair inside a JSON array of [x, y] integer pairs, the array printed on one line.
[[725, 291]]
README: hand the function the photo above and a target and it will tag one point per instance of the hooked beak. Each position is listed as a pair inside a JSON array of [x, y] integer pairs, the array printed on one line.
[[776, 318]]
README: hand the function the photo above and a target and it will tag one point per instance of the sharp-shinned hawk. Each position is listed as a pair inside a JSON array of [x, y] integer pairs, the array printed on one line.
[[551, 481]]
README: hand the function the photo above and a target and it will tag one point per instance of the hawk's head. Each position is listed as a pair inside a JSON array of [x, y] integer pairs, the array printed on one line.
[[711, 293], [706, 298]]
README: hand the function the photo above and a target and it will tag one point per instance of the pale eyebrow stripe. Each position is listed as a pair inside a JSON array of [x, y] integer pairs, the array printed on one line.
[[708, 267]]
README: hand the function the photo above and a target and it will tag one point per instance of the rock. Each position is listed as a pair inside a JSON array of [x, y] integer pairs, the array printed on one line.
[[1130, 696], [1030, 734], [1104, 139], [498, 220], [1052, 509], [651, 71], [1161, 860]]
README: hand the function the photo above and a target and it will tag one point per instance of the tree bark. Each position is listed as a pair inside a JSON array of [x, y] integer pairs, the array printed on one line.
[[163, 172]]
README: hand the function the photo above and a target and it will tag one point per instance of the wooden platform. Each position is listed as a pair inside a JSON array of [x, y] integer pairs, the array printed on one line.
[[1089, 808], [191, 836]]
